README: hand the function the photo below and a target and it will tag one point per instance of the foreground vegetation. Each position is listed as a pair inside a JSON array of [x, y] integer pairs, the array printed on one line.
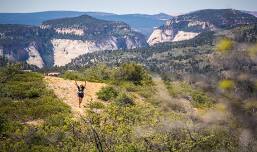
[[33, 119]]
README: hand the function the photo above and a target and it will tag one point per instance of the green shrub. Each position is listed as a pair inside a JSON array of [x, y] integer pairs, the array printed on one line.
[[124, 100], [250, 106], [56, 120], [73, 76], [33, 93], [107, 93], [23, 85], [96, 105], [183, 89], [8, 72], [2, 124], [224, 45], [226, 84], [179, 89], [134, 73], [200, 100], [98, 73], [126, 85]]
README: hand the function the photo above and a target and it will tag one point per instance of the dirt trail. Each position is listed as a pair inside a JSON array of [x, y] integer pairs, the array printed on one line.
[[67, 92]]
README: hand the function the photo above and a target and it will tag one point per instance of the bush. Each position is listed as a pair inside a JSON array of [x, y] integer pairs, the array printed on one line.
[[134, 73], [250, 107], [73, 76], [124, 100], [23, 85], [226, 84], [8, 72], [96, 105], [128, 86], [224, 45], [107, 93], [33, 93], [98, 73], [178, 89], [200, 100], [2, 124], [183, 89]]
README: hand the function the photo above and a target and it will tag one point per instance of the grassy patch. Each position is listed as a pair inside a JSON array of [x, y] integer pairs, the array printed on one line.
[[24, 97], [96, 105], [181, 89]]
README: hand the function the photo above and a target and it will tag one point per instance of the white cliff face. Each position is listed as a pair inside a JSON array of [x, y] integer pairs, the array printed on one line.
[[34, 57], [181, 36], [73, 31], [174, 31], [44, 26], [108, 44], [203, 25], [65, 50], [130, 44], [159, 36]]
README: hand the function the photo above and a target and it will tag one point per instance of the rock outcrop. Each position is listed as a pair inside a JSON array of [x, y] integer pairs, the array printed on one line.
[[190, 25]]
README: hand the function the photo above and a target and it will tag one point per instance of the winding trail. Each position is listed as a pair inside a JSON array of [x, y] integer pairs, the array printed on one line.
[[67, 92]]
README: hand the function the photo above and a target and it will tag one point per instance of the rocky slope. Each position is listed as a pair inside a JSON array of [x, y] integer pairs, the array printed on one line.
[[26, 43], [57, 42], [190, 25], [80, 35]]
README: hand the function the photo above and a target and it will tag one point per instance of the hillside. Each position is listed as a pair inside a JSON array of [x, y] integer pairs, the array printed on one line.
[[90, 28], [133, 108], [156, 58], [26, 43], [252, 13], [196, 59], [142, 23], [59, 41], [190, 25]]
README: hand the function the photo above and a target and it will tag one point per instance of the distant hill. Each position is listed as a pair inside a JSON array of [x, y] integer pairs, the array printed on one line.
[[140, 22], [190, 25], [58, 41], [254, 13]]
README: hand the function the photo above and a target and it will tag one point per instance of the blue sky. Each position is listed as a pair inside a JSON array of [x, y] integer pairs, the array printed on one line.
[[124, 6]]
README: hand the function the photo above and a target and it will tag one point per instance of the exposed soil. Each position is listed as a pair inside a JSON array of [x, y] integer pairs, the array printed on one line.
[[66, 90]]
